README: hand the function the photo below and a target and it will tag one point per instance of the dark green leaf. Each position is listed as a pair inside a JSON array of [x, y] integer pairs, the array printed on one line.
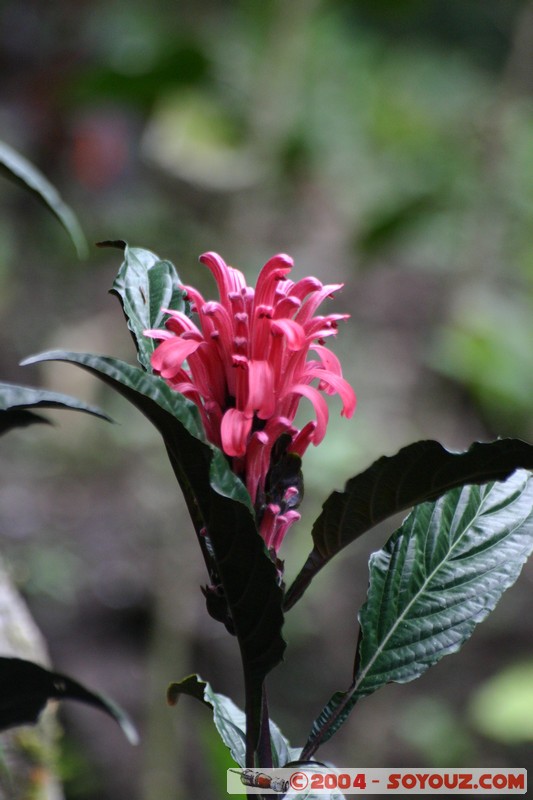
[[23, 172], [229, 720], [20, 419], [437, 577], [145, 285], [15, 400], [219, 505], [419, 472], [25, 689]]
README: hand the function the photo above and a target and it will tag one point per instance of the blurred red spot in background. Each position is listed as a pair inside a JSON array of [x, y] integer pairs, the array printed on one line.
[[100, 149]]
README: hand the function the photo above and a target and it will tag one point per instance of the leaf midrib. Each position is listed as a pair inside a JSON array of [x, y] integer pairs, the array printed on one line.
[[359, 680]]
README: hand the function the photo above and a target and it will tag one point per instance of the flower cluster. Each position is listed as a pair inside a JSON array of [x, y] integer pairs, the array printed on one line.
[[245, 365]]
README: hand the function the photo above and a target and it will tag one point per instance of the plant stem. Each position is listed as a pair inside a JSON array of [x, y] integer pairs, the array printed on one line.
[[264, 747], [258, 747]]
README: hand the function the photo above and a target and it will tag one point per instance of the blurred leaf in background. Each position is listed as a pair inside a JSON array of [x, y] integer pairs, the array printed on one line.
[[437, 733], [486, 347], [502, 707]]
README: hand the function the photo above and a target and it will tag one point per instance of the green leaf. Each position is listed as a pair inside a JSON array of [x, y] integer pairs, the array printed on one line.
[[21, 171], [145, 285], [25, 689], [16, 400], [229, 720], [437, 577], [419, 472], [220, 508]]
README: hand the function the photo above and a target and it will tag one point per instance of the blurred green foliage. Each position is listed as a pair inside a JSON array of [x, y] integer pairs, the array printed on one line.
[[437, 733], [502, 707]]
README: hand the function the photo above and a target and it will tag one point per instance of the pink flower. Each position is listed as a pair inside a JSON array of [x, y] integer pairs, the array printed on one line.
[[246, 367]]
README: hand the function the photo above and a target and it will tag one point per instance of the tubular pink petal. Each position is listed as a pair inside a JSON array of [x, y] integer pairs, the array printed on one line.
[[260, 334], [158, 333], [234, 430], [267, 528], [221, 363], [276, 357], [255, 466], [286, 307], [237, 281], [320, 327], [187, 387], [194, 297], [228, 279], [303, 439], [179, 323], [288, 407], [291, 370], [214, 411], [248, 296], [184, 379], [332, 383], [193, 336], [280, 293], [237, 301], [240, 345], [275, 426], [239, 374], [320, 406], [274, 270], [168, 357], [218, 267], [264, 311], [212, 430], [222, 322], [208, 373], [261, 397], [293, 333], [340, 386], [238, 310], [315, 299], [206, 323], [241, 331], [291, 497], [283, 289], [328, 358], [303, 287], [282, 525], [210, 420]]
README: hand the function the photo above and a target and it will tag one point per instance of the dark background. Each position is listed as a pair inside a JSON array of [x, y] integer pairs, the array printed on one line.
[[388, 145]]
